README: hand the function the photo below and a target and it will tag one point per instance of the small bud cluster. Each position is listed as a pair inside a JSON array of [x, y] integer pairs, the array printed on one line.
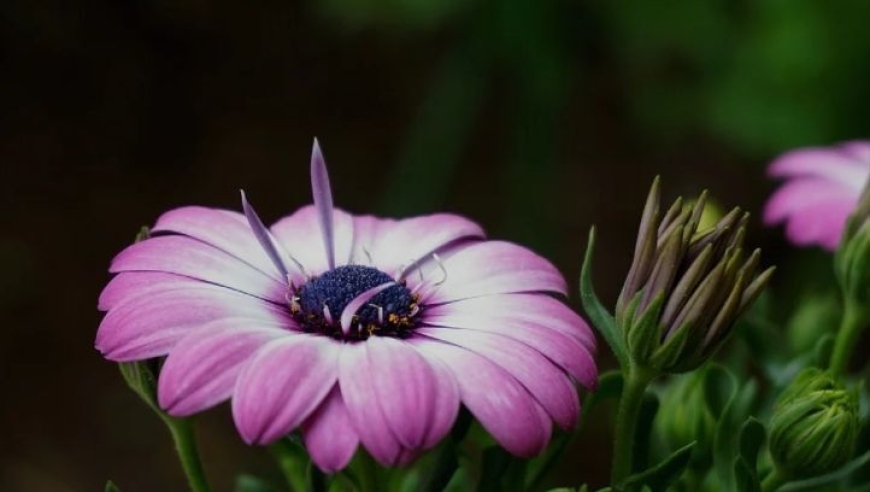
[[686, 286]]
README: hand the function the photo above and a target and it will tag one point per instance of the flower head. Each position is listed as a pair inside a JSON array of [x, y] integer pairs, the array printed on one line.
[[822, 188], [352, 329], [686, 287]]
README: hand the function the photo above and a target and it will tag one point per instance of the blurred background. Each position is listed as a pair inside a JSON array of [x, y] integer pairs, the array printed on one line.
[[537, 118]]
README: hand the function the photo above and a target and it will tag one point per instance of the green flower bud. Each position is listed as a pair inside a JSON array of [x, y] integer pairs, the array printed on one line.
[[686, 286], [814, 427], [852, 258], [684, 417]]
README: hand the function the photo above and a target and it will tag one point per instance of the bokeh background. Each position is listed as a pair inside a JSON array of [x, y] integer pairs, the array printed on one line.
[[537, 118]]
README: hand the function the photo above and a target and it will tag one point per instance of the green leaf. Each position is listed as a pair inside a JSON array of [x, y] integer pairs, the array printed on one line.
[[720, 386], [111, 487], [250, 483], [745, 466], [726, 441], [830, 478], [644, 334], [823, 350], [661, 476], [601, 318], [751, 438], [745, 476]]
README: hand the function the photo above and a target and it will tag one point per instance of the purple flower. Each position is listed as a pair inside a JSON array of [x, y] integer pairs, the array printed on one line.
[[352, 329], [822, 188]]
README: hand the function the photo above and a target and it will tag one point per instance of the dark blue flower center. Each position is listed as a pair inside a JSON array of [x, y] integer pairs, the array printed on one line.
[[318, 304]]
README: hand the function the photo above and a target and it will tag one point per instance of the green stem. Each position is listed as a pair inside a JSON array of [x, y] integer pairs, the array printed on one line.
[[185, 446], [853, 320], [773, 481], [292, 461], [636, 381]]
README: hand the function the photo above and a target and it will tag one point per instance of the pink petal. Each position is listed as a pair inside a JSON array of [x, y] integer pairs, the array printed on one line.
[[827, 164], [127, 285], [535, 309], [149, 326], [329, 435], [486, 268], [546, 382], [223, 229], [357, 382], [298, 235], [401, 243], [563, 350], [498, 401], [815, 210], [191, 258], [202, 368], [282, 385], [857, 149], [413, 396]]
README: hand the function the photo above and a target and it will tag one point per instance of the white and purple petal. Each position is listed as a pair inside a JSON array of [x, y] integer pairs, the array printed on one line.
[[202, 369], [330, 438], [191, 258], [485, 268], [499, 402], [282, 384], [149, 326]]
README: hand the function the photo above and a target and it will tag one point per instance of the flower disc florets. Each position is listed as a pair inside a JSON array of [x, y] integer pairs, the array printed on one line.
[[318, 303]]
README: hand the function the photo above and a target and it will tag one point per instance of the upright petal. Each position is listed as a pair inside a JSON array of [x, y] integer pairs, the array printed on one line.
[[322, 192], [267, 244], [202, 368], [282, 385], [329, 435]]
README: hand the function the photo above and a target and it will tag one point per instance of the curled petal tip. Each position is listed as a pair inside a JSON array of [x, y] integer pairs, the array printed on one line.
[[354, 305]]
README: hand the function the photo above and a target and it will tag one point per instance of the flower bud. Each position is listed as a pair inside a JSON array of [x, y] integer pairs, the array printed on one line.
[[686, 286], [814, 426]]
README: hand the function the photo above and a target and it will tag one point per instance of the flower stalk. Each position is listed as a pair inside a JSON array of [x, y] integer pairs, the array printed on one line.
[[636, 381], [188, 454]]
